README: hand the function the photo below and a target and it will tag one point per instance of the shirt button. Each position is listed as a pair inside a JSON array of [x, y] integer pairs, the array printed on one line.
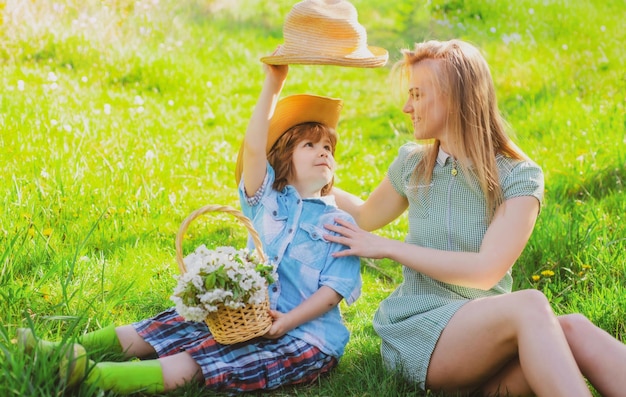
[[274, 213], [275, 259], [314, 235], [274, 288], [290, 230]]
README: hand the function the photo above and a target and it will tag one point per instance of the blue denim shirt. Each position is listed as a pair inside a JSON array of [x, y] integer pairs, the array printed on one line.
[[292, 230]]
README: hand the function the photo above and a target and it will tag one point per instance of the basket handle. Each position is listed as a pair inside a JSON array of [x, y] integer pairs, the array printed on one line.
[[215, 208]]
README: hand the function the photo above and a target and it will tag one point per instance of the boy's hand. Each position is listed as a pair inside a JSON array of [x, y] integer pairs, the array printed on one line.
[[278, 328], [278, 73]]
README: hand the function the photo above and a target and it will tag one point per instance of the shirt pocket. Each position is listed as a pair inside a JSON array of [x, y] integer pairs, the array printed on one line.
[[309, 247], [274, 220]]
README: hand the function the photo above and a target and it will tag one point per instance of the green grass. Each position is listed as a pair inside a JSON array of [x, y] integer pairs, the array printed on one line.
[[120, 117]]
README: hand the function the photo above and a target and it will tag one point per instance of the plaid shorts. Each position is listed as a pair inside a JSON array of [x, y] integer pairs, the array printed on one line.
[[253, 365]]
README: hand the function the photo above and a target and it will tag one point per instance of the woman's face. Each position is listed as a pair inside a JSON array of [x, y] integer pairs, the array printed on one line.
[[426, 103]]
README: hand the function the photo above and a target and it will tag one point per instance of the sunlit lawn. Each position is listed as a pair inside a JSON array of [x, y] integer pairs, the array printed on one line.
[[120, 117]]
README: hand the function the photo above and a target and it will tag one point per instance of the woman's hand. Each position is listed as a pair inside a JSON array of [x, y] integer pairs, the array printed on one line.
[[360, 242]]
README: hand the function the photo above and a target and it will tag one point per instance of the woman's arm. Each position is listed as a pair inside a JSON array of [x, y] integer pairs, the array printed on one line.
[[503, 243], [317, 304], [381, 207], [255, 141]]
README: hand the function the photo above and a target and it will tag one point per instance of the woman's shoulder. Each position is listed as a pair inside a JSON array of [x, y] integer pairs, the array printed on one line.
[[411, 148], [409, 154], [508, 166], [520, 177]]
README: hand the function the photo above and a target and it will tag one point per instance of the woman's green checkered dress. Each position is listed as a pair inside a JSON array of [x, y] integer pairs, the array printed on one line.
[[449, 215]]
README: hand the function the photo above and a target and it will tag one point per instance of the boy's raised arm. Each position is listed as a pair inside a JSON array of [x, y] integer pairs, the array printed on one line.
[[255, 141]]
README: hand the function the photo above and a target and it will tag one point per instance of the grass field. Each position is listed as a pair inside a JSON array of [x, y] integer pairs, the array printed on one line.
[[120, 117]]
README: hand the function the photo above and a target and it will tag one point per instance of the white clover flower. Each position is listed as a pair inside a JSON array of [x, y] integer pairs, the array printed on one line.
[[221, 277], [232, 273], [246, 285]]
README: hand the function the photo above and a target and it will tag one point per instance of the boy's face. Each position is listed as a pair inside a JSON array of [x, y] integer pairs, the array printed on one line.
[[313, 165]]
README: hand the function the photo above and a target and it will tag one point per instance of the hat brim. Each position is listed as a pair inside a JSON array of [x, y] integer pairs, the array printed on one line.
[[379, 59], [293, 110]]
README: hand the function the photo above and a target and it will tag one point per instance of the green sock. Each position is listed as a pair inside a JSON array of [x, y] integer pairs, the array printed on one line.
[[128, 377], [104, 339]]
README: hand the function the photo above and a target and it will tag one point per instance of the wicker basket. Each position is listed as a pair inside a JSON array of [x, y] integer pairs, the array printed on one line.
[[227, 325]]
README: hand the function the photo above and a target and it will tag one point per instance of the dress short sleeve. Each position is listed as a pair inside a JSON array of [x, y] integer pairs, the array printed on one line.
[[401, 169], [524, 178]]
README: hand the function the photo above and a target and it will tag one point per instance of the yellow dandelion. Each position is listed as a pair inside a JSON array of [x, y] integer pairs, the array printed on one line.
[[47, 232], [586, 267], [535, 277], [547, 273], [31, 232], [45, 294], [27, 216]]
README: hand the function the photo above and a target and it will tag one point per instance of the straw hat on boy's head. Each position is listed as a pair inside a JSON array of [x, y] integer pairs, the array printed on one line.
[[293, 110], [326, 32]]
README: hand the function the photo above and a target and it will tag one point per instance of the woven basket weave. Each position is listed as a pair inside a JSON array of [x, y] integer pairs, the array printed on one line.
[[230, 326]]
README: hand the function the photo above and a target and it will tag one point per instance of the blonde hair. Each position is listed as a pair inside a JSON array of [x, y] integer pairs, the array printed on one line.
[[478, 131]]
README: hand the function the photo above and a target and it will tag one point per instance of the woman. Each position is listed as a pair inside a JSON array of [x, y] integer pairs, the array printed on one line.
[[453, 325]]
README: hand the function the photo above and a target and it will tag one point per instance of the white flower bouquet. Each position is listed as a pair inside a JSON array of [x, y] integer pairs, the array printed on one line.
[[225, 287], [224, 276]]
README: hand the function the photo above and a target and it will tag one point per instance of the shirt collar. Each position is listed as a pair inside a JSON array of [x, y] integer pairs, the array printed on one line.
[[329, 199], [442, 157]]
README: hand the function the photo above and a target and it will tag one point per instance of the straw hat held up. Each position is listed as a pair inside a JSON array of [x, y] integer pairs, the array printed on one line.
[[326, 32], [293, 110]]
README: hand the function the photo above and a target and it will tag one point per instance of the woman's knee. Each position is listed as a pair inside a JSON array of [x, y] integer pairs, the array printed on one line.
[[531, 302], [575, 325]]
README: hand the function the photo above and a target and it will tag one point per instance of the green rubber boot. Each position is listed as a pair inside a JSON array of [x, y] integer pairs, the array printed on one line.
[[128, 377], [104, 339]]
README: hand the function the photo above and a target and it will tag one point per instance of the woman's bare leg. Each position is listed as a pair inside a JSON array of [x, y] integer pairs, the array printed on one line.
[[506, 344], [601, 357]]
